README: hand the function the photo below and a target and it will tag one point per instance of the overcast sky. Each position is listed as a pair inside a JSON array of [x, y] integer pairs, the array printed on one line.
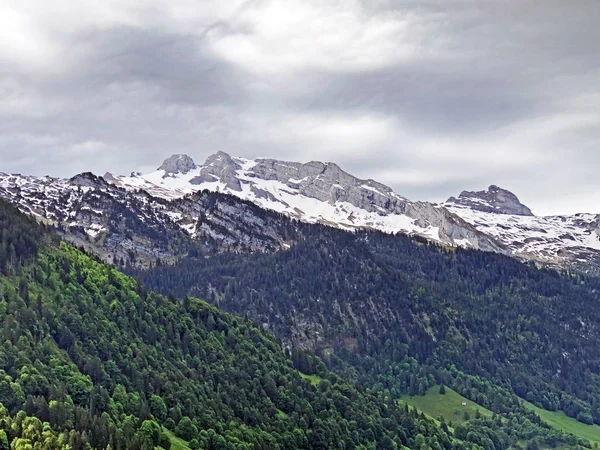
[[428, 96]]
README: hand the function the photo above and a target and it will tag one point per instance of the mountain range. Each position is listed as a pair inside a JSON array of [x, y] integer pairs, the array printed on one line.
[[226, 200], [329, 300]]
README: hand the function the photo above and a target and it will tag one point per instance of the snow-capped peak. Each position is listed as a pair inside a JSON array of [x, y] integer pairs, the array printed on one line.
[[493, 200], [314, 192], [493, 219], [565, 240], [177, 164]]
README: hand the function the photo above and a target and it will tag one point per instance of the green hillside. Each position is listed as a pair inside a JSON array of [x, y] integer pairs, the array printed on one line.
[[449, 405], [403, 313], [560, 421], [314, 379], [94, 359], [176, 443]]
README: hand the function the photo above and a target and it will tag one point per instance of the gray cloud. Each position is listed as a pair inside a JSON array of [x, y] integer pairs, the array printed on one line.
[[429, 100], [430, 97]]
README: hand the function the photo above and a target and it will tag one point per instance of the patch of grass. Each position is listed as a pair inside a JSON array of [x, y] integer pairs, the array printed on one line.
[[176, 443], [560, 421], [448, 405], [314, 379]]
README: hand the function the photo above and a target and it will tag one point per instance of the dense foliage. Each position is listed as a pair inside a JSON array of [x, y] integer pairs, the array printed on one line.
[[377, 299], [23, 432], [89, 359], [19, 238]]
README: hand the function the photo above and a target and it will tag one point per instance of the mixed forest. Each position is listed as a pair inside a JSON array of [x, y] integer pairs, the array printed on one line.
[[403, 315], [310, 348], [90, 359]]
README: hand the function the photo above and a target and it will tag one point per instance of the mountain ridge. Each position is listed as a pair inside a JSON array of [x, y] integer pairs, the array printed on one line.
[[359, 294], [92, 360], [492, 220], [313, 192], [494, 199]]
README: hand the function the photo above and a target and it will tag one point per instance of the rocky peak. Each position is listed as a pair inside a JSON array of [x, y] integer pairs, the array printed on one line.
[[109, 177], [493, 200], [219, 167], [221, 161], [177, 164], [328, 183], [219, 158], [87, 179]]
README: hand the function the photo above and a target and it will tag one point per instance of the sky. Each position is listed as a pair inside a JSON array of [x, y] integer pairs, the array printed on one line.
[[430, 97]]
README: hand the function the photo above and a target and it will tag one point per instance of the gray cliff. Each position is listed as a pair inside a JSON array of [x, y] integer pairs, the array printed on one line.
[[492, 200]]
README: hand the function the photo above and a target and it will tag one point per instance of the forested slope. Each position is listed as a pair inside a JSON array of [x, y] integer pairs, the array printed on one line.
[[379, 300], [88, 358]]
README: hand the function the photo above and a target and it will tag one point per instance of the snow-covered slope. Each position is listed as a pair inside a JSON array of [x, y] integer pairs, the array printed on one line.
[[493, 219], [134, 227], [157, 215], [314, 192], [565, 240]]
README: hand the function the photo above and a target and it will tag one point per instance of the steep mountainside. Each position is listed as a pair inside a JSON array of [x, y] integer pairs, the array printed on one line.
[[314, 192], [492, 200], [90, 359], [570, 241], [493, 219], [135, 227], [139, 218], [529, 330]]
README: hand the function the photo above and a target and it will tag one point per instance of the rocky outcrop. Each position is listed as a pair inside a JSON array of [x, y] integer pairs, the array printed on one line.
[[149, 216], [133, 227], [317, 192], [327, 182], [453, 229], [88, 179], [219, 167], [177, 164], [109, 177], [492, 200]]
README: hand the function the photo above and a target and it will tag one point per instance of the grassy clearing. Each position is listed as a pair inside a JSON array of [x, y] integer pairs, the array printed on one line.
[[448, 405], [314, 379], [560, 421], [176, 443]]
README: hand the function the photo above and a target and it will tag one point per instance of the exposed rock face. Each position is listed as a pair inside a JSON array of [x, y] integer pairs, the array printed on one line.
[[109, 177], [134, 227], [177, 164], [571, 241], [289, 186], [453, 229], [492, 200], [316, 192], [87, 179], [148, 214], [328, 183], [219, 167]]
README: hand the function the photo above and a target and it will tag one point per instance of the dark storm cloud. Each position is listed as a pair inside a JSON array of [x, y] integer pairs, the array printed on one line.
[[430, 97]]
